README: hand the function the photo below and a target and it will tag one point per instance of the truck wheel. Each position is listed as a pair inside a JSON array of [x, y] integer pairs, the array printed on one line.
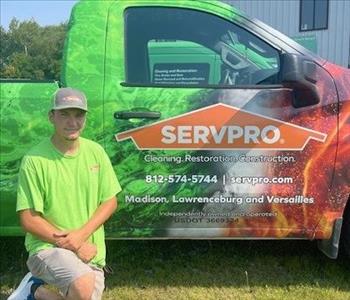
[[346, 232]]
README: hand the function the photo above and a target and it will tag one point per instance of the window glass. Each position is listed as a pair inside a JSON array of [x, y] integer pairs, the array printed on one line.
[[181, 62], [321, 14], [313, 14], [172, 46], [307, 14]]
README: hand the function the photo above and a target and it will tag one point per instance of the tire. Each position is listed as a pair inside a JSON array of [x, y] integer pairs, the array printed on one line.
[[345, 232]]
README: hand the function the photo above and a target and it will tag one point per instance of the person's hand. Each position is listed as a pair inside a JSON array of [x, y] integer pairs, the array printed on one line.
[[71, 240], [87, 252]]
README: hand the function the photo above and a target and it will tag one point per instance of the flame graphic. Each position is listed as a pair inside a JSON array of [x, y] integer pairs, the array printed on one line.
[[321, 171]]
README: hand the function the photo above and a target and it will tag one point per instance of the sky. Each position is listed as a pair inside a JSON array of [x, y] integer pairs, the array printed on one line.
[[50, 12]]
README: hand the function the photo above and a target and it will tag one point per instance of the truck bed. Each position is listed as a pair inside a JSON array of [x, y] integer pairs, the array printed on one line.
[[24, 122]]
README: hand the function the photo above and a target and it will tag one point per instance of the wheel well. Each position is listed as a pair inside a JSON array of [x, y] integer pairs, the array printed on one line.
[[345, 232], [340, 236]]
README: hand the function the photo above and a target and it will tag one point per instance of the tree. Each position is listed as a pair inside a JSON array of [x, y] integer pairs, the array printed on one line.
[[29, 51]]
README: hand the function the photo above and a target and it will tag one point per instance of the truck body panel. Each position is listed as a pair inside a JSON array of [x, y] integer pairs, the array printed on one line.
[[23, 124], [219, 146]]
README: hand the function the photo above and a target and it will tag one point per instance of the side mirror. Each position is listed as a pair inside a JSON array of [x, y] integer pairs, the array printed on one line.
[[300, 73]]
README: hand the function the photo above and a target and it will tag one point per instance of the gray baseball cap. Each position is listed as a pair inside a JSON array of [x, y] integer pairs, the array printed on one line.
[[69, 98]]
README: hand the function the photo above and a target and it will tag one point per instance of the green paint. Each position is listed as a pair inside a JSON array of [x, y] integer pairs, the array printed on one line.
[[24, 108], [97, 67], [182, 53], [307, 41]]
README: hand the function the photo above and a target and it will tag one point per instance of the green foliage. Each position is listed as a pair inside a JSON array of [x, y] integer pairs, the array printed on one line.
[[30, 51]]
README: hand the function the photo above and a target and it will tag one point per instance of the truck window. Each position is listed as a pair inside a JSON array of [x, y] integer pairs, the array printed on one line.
[[173, 46]]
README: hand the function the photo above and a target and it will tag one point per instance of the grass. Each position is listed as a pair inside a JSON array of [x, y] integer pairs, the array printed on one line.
[[186, 269]]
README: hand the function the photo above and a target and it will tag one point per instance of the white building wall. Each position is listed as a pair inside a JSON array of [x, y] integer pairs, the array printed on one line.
[[333, 43]]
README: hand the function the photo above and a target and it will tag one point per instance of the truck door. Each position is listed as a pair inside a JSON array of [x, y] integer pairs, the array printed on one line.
[[204, 137]]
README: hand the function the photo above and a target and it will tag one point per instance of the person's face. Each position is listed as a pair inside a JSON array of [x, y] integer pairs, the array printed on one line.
[[68, 123]]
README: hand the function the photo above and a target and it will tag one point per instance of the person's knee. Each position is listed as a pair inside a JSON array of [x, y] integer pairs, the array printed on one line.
[[82, 288]]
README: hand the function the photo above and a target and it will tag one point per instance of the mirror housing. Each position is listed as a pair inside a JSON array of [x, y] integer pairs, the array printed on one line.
[[300, 73]]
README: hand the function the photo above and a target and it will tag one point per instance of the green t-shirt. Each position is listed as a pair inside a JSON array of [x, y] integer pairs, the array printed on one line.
[[66, 190]]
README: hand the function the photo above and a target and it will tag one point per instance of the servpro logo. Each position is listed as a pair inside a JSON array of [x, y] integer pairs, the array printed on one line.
[[199, 133], [221, 127], [71, 98]]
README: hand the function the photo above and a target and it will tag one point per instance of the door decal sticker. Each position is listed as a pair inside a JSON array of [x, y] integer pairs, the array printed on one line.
[[221, 127]]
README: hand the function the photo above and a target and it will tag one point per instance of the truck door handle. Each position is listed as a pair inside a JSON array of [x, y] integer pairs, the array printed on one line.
[[130, 114]]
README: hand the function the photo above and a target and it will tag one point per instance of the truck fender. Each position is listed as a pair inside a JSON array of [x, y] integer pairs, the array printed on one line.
[[330, 247]]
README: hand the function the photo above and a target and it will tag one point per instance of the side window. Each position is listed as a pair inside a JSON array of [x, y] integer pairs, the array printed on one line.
[[313, 14], [172, 46]]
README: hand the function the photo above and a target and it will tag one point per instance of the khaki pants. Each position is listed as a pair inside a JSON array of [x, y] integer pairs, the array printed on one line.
[[60, 267]]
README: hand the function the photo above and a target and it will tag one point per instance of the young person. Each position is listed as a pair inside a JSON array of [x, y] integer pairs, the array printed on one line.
[[67, 190]]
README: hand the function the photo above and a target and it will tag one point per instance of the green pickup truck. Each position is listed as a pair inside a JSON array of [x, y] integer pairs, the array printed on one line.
[[217, 125]]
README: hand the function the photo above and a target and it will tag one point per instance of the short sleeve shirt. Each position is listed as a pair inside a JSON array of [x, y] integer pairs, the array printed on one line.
[[66, 189]]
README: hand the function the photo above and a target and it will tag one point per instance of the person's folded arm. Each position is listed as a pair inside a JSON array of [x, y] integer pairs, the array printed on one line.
[[34, 223], [75, 238]]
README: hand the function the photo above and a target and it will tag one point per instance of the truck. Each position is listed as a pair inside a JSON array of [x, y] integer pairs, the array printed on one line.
[[217, 125]]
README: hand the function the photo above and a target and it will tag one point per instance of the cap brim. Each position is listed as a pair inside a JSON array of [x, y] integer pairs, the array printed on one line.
[[69, 106]]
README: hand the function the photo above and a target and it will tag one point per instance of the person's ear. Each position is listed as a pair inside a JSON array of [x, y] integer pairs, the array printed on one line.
[[50, 115]]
